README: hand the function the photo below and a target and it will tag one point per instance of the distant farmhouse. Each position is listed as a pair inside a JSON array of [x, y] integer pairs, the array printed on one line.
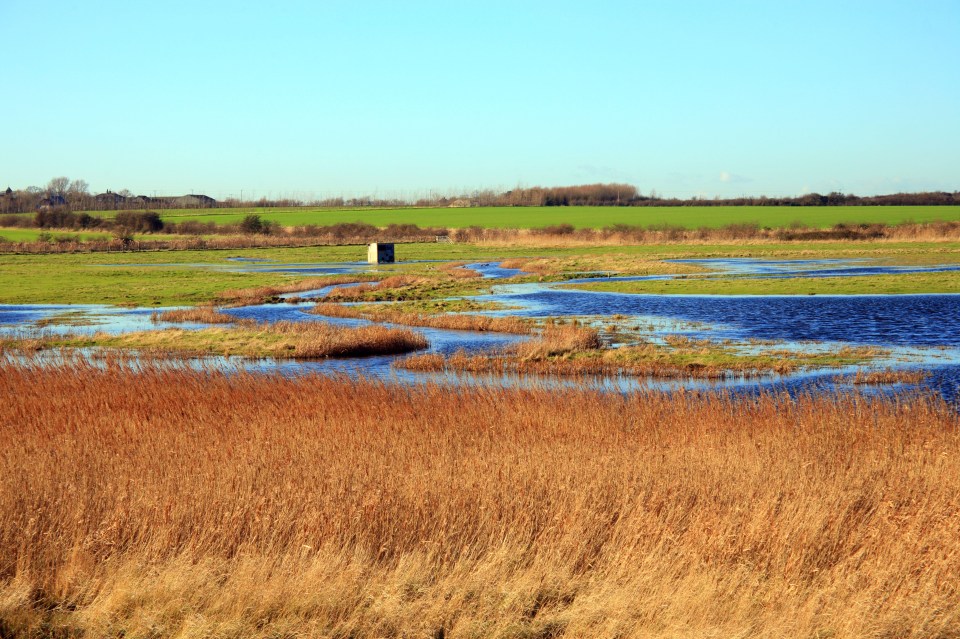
[[111, 200], [190, 201], [7, 200], [52, 201]]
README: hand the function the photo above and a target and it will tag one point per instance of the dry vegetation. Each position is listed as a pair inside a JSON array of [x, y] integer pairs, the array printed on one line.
[[887, 376], [246, 338], [456, 322], [458, 270], [574, 350], [174, 503], [610, 263], [263, 294], [199, 314], [395, 285]]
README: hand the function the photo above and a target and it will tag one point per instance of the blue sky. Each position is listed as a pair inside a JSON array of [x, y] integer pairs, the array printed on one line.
[[334, 97]]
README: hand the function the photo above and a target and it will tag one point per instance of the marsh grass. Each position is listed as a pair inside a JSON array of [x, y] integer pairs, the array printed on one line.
[[575, 350], [460, 322], [263, 294], [410, 287], [245, 338], [68, 318], [199, 314], [458, 270], [886, 376], [176, 503]]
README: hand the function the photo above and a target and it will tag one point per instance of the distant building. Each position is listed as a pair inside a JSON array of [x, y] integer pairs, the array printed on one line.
[[189, 201], [109, 200], [196, 200], [141, 201], [52, 201], [380, 253], [7, 200]]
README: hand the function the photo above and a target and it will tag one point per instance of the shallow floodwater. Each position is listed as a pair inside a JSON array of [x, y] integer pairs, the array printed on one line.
[[922, 331]]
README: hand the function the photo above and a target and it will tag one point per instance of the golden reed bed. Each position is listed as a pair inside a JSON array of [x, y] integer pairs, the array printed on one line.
[[174, 503]]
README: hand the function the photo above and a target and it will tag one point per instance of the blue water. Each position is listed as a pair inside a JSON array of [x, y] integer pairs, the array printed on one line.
[[493, 270], [845, 267], [909, 320]]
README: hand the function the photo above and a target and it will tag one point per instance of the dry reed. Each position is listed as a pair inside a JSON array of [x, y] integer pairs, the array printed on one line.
[[509, 364], [175, 503], [575, 350], [458, 322], [199, 314], [245, 338], [394, 282], [887, 376], [458, 270], [260, 294]]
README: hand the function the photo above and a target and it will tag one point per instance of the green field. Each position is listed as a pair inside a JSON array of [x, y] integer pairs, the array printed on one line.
[[31, 235], [580, 217], [163, 278]]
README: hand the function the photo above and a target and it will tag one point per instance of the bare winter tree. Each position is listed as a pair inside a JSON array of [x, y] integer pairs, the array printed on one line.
[[58, 186], [78, 194], [79, 188]]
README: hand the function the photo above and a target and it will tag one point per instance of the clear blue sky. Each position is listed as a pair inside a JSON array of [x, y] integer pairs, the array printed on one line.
[[397, 98]]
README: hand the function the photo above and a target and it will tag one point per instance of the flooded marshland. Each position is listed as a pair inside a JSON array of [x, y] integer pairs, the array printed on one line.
[[912, 331]]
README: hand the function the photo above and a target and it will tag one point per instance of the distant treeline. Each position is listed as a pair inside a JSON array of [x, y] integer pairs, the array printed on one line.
[[127, 223], [74, 195], [628, 195]]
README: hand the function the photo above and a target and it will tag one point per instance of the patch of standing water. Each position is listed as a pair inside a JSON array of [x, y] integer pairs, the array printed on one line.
[[493, 270], [846, 267]]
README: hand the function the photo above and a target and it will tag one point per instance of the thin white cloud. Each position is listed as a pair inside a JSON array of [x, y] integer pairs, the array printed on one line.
[[732, 178]]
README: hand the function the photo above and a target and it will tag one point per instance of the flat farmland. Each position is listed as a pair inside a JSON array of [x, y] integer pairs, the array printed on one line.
[[579, 216]]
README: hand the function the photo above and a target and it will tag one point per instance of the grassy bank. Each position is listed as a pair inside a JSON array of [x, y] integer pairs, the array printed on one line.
[[177, 504], [280, 340], [578, 351], [437, 319], [578, 216]]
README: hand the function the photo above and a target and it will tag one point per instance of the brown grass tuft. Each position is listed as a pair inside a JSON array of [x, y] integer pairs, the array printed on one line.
[[246, 338], [458, 270], [457, 322], [394, 282], [510, 363], [888, 376], [199, 314], [260, 294], [556, 340]]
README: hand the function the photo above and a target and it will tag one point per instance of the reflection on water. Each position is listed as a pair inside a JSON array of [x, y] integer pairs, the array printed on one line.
[[846, 267], [921, 330]]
